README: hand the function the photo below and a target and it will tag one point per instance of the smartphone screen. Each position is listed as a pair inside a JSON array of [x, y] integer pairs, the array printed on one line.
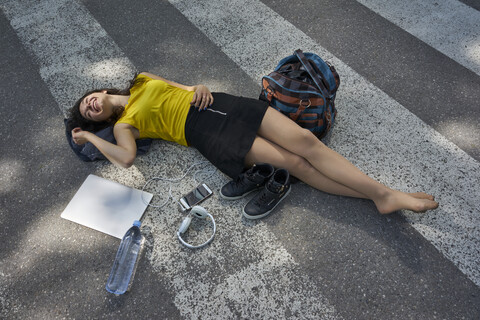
[[196, 196]]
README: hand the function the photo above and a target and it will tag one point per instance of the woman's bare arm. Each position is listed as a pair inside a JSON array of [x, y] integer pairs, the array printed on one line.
[[122, 154]]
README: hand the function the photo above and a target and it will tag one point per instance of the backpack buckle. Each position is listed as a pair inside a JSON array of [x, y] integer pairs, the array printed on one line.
[[270, 93], [305, 105]]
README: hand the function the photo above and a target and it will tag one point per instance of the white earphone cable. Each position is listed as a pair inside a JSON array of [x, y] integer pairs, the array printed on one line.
[[170, 196]]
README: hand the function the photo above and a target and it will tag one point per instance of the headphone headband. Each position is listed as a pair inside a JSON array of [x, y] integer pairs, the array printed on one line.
[[200, 213]]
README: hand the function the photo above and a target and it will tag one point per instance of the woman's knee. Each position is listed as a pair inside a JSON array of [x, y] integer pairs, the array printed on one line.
[[309, 144], [298, 166]]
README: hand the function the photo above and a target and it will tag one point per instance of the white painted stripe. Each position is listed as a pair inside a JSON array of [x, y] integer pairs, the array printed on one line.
[[72, 49], [449, 26], [73, 61], [374, 131]]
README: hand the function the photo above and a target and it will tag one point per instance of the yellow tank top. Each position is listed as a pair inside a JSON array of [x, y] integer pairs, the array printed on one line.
[[158, 110]]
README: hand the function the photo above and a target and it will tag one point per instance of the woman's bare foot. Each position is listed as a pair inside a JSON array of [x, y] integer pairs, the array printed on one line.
[[395, 200], [421, 195]]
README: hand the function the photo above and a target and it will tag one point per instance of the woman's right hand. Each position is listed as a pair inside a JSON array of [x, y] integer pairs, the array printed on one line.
[[79, 136], [202, 97]]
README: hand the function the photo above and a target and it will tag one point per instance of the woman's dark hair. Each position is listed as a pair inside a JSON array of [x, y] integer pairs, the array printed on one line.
[[75, 118]]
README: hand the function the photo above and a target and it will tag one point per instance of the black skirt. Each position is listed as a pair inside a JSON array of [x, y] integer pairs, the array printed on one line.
[[225, 131]]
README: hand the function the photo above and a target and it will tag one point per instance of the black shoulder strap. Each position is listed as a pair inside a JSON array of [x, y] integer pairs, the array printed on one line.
[[316, 78]]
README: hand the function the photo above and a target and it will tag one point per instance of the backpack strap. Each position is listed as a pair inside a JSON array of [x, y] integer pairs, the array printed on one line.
[[316, 78], [301, 108]]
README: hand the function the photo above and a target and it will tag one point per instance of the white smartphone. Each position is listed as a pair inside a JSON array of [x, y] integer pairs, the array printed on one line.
[[193, 198]]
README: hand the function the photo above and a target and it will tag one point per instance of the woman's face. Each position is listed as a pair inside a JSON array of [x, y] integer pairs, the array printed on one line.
[[96, 107]]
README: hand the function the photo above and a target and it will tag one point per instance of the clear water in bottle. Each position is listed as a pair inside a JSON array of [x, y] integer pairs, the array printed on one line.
[[125, 260]]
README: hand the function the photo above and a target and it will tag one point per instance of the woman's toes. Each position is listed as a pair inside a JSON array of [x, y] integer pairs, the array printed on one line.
[[422, 195], [425, 205]]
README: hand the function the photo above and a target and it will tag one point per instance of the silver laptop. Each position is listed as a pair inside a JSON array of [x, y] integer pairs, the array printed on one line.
[[106, 206]]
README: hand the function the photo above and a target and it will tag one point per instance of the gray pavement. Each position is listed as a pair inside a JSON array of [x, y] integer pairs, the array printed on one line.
[[318, 256]]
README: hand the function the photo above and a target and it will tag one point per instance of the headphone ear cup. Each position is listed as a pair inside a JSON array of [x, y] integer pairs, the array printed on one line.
[[199, 212], [185, 224]]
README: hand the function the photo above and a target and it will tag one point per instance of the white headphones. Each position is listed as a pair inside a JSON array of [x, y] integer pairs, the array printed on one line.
[[200, 213]]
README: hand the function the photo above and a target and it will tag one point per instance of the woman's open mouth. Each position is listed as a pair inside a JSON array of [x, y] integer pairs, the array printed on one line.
[[95, 106]]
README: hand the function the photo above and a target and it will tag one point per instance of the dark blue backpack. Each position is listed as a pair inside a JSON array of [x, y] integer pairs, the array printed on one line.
[[303, 87]]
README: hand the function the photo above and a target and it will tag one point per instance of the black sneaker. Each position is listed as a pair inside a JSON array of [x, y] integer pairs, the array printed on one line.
[[249, 181], [277, 188]]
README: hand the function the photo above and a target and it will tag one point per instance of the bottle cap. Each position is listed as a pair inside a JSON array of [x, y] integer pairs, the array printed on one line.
[[137, 223]]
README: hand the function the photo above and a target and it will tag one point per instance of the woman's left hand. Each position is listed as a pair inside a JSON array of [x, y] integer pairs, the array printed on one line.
[[202, 97], [79, 136]]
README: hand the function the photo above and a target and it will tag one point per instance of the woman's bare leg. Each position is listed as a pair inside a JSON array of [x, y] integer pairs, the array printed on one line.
[[264, 151], [282, 131]]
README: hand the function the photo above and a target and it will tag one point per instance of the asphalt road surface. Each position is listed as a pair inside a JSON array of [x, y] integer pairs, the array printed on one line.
[[408, 116]]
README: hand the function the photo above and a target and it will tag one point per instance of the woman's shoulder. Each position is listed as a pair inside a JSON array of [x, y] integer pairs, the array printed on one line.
[[140, 80], [122, 127], [142, 77], [149, 79], [146, 76]]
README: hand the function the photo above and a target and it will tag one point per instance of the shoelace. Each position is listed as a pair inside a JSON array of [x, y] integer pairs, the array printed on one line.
[[262, 199], [240, 180]]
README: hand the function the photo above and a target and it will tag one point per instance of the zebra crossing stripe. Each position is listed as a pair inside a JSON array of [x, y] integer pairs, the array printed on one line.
[[449, 26], [74, 52]]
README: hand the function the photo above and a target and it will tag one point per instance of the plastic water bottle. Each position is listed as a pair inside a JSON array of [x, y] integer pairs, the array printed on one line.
[[125, 260]]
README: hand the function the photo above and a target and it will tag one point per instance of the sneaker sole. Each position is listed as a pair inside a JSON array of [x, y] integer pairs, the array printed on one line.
[[237, 197], [268, 212]]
